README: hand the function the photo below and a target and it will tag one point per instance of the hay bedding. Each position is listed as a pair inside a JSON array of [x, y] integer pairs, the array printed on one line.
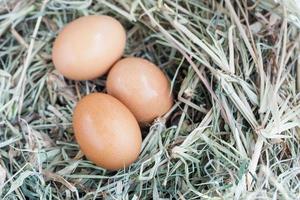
[[233, 132]]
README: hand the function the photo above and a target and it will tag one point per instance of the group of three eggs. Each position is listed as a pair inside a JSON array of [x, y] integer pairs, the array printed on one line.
[[106, 126]]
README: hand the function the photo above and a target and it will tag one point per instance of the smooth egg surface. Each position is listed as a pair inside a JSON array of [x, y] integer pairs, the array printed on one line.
[[87, 47], [106, 131], [141, 86]]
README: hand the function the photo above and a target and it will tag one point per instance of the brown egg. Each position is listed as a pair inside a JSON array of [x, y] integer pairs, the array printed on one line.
[[106, 131], [87, 47], [141, 86]]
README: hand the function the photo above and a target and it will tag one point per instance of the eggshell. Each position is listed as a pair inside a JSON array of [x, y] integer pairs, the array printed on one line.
[[141, 86], [106, 131], [87, 47]]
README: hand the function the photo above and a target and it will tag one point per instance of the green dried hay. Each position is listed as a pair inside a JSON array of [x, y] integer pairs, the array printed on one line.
[[233, 132]]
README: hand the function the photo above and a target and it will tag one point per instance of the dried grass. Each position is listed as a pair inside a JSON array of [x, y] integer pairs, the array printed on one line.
[[232, 134]]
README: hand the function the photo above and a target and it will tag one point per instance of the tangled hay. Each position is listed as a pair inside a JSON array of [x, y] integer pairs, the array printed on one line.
[[233, 132]]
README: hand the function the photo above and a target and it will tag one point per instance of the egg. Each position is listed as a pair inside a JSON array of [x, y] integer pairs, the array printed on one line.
[[106, 131], [141, 86], [87, 47]]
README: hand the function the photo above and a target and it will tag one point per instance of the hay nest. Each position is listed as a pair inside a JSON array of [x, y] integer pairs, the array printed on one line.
[[233, 132]]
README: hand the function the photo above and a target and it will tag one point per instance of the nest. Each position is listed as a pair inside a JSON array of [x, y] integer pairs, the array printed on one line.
[[233, 132]]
